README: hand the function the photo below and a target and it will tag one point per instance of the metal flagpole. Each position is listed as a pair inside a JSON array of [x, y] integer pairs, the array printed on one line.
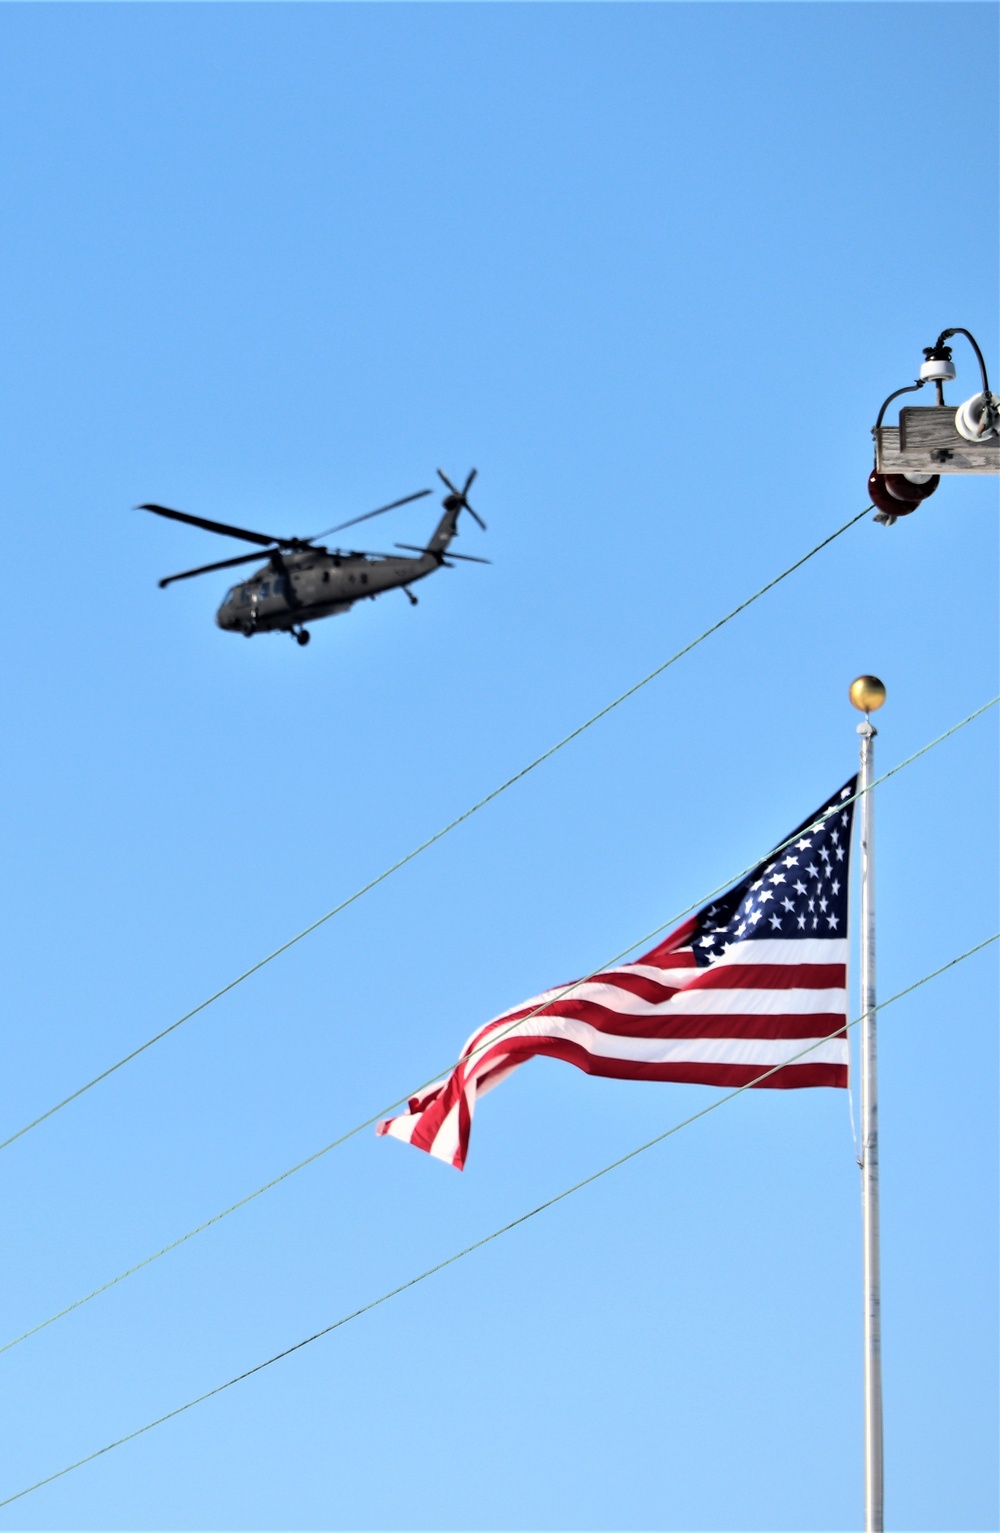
[[867, 693]]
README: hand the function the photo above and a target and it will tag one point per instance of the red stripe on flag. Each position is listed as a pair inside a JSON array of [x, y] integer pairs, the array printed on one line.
[[771, 976], [813, 1024], [696, 1072]]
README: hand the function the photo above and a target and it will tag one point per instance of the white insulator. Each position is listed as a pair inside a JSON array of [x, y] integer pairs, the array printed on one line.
[[937, 372], [969, 418], [918, 478]]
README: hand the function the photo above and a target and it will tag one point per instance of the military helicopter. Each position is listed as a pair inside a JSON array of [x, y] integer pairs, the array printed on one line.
[[303, 580]]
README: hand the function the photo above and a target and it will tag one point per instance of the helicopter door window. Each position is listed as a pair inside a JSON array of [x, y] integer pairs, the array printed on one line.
[[265, 589]]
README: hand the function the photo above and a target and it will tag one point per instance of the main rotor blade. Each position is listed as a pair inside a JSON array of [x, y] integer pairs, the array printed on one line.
[[446, 553], [223, 564], [369, 514], [264, 539]]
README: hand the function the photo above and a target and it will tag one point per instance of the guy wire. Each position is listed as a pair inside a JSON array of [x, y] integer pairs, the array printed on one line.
[[486, 1239], [431, 840], [489, 1043]]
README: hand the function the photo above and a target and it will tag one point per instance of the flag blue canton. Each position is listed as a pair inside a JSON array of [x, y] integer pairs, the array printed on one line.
[[799, 891]]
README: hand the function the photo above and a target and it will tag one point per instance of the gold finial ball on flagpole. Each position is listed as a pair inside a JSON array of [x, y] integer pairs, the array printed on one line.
[[867, 693]]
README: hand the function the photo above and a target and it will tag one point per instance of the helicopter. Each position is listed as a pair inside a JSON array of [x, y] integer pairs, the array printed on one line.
[[303, 580]]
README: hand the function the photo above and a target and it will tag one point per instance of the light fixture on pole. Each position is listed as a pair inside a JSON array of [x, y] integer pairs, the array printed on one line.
[[933, 440]]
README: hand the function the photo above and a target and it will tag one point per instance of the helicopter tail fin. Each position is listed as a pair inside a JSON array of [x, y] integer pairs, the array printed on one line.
[[455, 502], [446, 528]]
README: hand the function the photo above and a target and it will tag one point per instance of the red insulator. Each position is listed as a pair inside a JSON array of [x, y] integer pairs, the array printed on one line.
[[879, 496], [903, 487]]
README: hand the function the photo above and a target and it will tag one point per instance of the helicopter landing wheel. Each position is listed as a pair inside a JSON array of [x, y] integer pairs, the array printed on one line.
[[303, 636]]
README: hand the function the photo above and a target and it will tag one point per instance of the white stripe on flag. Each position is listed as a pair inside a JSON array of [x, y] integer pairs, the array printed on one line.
[[787, 950], [705, 1003], [721, 1051]]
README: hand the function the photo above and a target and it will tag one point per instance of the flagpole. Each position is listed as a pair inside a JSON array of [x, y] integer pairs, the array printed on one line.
[[867, 693]]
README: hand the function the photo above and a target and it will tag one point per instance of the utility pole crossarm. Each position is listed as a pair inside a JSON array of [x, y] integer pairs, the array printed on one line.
[[926, 442]]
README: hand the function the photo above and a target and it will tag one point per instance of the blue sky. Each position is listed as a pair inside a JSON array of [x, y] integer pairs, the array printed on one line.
[[651, 269]]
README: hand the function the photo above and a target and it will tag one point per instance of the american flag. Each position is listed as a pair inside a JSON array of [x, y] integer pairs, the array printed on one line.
[[750, 981]]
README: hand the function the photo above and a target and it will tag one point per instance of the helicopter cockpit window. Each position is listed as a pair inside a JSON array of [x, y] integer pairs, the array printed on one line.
[[265, 589]]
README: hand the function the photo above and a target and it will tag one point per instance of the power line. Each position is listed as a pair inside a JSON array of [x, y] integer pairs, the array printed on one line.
[[486, 1239], [438, 835], [493, 1039]]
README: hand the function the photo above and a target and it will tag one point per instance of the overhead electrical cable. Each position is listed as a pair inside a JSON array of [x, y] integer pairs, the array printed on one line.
[[438, 835], [477, 1245], [384, 1111]]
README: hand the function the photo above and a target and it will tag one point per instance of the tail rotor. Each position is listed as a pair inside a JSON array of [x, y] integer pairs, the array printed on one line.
[[458, 498]]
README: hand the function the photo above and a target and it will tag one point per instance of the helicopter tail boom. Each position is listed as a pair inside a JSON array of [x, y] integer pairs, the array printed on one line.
[[455, 502], [445, 530]]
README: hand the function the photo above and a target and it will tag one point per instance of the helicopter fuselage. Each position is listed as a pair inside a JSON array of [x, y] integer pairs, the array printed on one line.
[[311, 585], [302, 580]]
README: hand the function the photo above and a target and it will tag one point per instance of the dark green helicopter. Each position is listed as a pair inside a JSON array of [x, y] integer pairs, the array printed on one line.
[[302, 580]]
